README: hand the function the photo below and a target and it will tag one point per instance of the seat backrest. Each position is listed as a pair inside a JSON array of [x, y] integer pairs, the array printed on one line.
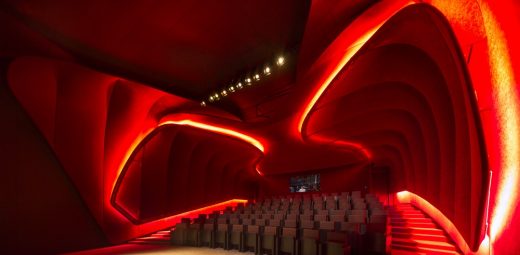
[[270, 230], [278, 217], [275, 223], [357, 218], [222, 221], [320, 217], [311, 234], [330, 205], [209, 226], [306, 217], [288, 231], [253, 229], [337, 218], [338, 212], [234, 221], [344, 205], [238, 228], [322, 212], [327, 225], [182, 225], [247, 222], [350, 227], [261, 222], [291, 216], [307, 224], [358, 211], [222, 227], [289, 223], [355, 194], [359, 205]]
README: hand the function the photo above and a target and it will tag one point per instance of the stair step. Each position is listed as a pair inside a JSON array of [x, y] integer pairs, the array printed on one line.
[[437, 238], [424, 244], [421, 250], [148, 242], [427, 231], [417, 220], [414, 224], [153, 238], [161, 234]]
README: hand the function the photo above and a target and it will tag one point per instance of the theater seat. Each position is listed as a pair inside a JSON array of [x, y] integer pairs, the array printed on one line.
[[192, 234], [288, 241], [236, 237], [251, 238], [207, 237], [310, 242], [336, 243], [268, 240], [178, 235], [221, 235]]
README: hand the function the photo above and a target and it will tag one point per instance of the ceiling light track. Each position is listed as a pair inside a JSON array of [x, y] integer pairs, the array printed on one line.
[[247, 80]]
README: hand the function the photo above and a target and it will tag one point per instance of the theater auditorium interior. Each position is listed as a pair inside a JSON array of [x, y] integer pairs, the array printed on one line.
[[259, 127]]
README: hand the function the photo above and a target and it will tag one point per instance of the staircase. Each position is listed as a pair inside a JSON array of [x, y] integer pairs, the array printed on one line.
[[413, 232], [158, 238]]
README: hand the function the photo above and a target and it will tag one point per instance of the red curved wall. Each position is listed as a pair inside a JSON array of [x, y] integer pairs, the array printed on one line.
[[406, 97]]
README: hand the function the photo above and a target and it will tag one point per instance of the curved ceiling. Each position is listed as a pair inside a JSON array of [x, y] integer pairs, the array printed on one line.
[[183, 47]]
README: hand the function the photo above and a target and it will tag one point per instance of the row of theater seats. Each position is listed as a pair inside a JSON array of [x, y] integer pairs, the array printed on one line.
[[341, 223]]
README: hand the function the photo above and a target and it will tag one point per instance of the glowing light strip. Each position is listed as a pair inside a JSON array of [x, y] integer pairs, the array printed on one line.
[[128, 154], [349, 53], [214, 207], [184, 122], [358, 146], [224, 131]]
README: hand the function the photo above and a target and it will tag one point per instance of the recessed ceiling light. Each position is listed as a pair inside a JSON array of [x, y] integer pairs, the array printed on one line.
[[280, 61], [203, 104], [267, 70], [256, 77], [224, 93]]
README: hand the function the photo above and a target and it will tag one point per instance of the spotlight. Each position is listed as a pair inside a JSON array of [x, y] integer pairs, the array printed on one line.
[[280, 61], [224, 92], [211, 98], [256, 77], [203, 104], [267, 70], [216, 96], [248, 81], [239, 85], [231, 89]]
